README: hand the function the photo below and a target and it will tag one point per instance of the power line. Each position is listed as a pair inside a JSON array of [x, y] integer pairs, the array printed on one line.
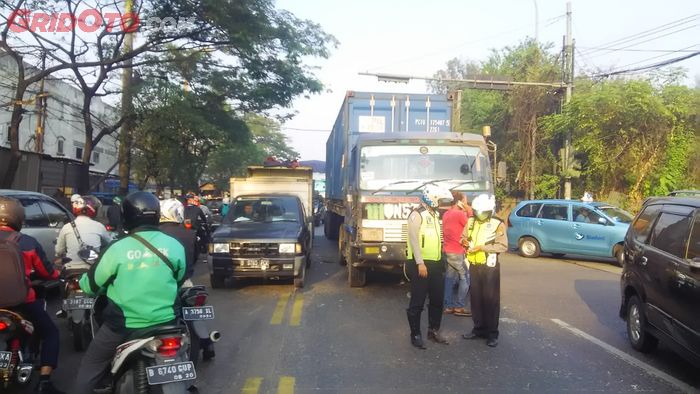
[[648, 67], [655, 57], [641, 50], [652, 39], [648, 32], [309, 130]]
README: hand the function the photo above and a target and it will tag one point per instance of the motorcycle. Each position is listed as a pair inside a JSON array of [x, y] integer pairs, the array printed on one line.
[[195, 314], [76, 305], [19, 347], [153, 360]]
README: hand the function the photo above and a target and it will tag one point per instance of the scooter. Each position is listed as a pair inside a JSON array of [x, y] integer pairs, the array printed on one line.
[[77, 306], [195, 314], [19, 347]]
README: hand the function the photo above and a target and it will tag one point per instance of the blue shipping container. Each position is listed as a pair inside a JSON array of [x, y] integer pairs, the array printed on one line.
[[366, 112]]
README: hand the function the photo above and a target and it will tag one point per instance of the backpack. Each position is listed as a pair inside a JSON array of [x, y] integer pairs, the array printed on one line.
[[13, 281]]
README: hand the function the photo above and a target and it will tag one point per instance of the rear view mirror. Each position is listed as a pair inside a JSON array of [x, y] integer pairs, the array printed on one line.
[[464, 169], [602, 221]]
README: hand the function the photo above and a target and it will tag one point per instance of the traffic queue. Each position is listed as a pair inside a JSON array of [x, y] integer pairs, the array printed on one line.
[[126, 296]]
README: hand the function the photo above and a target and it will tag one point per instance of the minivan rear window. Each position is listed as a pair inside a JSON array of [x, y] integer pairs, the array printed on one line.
[[529, 210], [671, 233]]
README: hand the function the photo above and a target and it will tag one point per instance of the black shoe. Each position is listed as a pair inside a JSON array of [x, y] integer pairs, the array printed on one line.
[[435, 336], [417, 341], [45, 386], [493, 342], [471, 335], [208, 354]]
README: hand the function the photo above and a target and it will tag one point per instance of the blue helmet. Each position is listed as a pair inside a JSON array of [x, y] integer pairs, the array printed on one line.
[[434, 196]]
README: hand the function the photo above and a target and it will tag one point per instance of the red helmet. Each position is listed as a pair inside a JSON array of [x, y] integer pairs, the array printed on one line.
[[84, 206]]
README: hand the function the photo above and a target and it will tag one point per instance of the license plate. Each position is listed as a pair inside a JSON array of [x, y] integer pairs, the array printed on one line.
[[5, 358], [78, 303], [198, 312], [263, 264], [176, 372]]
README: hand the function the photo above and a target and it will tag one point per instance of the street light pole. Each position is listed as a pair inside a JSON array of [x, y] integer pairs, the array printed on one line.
[[569, 75]]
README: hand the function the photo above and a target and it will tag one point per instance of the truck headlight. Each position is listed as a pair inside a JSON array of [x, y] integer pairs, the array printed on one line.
[[287, 248], [372, 234], [219, 248]]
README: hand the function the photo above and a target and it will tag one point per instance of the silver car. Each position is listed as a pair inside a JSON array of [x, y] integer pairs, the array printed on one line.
[[43, 218]]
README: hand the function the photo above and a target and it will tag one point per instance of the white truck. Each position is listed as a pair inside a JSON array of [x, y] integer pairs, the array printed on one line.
[[268, 230]]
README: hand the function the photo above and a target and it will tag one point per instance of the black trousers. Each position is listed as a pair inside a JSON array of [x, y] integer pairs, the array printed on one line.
[[432, 287], [46, 329], [485, 298], [96, 359]]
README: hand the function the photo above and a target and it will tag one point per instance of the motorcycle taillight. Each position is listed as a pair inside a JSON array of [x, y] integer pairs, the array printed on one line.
[[74, 284], [3, 325], [200, 299], [169, 346]]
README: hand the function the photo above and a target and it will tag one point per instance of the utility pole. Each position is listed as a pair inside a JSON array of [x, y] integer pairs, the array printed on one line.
[[569, 81], [40, 102], [127, 104]]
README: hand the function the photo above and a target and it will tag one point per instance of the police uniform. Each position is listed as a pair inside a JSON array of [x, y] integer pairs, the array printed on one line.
[[424, 246], [485, 270]]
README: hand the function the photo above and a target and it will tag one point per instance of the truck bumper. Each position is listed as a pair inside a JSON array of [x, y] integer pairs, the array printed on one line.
[[379, 254], [234, 267]]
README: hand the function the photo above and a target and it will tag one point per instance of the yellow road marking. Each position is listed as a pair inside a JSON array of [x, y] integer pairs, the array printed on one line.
[[278, 314], [295, 320], [252, 385], [286, 385]]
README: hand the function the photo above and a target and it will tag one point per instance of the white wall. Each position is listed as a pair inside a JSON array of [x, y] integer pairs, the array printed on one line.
[[63, 122]]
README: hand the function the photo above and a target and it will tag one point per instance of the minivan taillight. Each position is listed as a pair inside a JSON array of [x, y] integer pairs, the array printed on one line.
[[169, 346]]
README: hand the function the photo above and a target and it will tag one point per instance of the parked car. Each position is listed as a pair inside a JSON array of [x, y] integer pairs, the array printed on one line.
[[660, 281], [685, 193], [43, 217], [563, 227]]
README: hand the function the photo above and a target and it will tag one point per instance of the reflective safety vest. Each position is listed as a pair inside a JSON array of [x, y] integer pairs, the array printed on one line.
[[481, 234], [429, 236]]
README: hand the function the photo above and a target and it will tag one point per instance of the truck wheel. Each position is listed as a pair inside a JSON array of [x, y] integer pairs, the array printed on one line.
[[327, 225], [357, 277], [299, 281], [217, 281], [639, 338]]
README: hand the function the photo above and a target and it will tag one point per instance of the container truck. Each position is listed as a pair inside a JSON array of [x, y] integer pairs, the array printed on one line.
[[383, 149]]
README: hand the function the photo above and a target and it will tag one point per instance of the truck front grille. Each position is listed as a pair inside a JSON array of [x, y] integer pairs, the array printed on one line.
[[246, 249]]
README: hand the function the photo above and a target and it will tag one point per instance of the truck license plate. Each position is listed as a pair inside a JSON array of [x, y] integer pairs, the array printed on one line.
[[5, 358], [263, 264], [78, 303], [176, 372], [198, 312]]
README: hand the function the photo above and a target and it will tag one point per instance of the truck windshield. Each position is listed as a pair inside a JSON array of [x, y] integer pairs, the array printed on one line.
[[404, 167], [263, 209]]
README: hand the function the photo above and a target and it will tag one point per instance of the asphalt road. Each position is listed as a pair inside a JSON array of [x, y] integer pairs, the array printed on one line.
[[560, 332]]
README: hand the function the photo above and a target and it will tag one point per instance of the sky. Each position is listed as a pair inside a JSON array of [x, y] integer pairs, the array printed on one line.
[[418, 37]]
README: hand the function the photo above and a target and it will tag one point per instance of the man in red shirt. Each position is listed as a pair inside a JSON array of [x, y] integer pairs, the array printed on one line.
[[457, 274]]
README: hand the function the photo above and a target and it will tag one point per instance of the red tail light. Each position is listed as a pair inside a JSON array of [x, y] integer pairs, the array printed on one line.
[[3, 326], [169, 346], [109, 228], [188, 225], [200, 299], [74, 284]]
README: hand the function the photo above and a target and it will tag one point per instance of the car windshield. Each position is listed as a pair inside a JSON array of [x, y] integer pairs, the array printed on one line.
[[263, 209], [617, 214], [404, 167]]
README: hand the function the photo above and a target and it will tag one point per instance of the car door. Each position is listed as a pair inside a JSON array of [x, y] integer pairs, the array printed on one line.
[[552, 227], [520, 222], [686, 291], [36, 225], [661, 259], [57, 217], [589, 235]]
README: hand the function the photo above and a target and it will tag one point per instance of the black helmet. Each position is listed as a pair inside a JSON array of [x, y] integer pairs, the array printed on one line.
[[139, 209], [11, 213]]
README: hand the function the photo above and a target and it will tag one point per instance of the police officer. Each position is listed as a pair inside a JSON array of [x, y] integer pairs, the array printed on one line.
[[485, 237], [424, 266]]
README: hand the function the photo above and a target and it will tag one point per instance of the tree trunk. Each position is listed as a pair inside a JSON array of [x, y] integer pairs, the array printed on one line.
[[15, 154], [84, 180]]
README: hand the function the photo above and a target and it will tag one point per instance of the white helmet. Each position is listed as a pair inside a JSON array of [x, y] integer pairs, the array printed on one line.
[[226, 200], [483, 206], [434, 196], [172, 210]]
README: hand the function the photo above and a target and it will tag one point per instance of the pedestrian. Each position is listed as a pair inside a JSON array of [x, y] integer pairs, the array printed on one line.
[[224, 206], [485, 237], [456, 272], [424, 265]]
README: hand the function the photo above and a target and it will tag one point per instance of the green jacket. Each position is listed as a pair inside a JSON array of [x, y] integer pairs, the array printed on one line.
[[140, 287]]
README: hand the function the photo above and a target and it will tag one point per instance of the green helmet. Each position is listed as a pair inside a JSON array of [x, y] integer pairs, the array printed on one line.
[[117, 200]]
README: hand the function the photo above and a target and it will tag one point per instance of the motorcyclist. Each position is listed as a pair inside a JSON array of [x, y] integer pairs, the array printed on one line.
[[172, 217], [197, 220], [114, 215], [11, 220], [92, 232], [140, 275]]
